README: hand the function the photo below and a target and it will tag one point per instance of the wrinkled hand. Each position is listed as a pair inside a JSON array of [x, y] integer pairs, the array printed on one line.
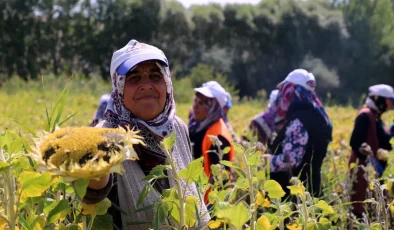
[[260, 146], [365, 150]]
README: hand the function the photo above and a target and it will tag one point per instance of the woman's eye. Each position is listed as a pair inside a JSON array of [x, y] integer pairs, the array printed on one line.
[[132, 78], [155, 77]]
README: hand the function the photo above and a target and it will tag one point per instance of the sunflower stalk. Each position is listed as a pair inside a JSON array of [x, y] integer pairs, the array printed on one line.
[[9, 193], [178, 186], [251, 191]]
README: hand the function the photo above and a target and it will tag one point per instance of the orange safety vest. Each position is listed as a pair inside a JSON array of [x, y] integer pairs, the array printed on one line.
[[218, 128]]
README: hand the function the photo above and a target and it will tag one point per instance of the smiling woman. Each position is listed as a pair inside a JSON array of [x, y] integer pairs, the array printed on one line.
[[142, 99], [145, 90]]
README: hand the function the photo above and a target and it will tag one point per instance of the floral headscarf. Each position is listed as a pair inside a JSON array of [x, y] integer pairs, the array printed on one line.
[[289, 93], [152, 131]]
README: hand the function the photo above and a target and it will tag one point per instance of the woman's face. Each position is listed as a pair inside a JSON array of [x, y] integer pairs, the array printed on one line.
[[200, 107], [390, 104], [145, 91]]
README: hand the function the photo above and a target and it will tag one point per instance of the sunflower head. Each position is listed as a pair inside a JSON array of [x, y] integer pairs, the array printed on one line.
[[85, 152]]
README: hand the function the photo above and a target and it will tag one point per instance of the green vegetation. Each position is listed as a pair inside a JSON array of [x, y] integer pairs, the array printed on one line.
[[252, 200]]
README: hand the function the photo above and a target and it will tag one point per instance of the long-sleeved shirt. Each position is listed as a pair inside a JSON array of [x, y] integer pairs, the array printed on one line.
[[294, 147], [360, 133]]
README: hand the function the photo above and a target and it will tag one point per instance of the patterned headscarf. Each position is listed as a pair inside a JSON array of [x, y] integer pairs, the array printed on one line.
[[266, 121], [215, 112], [289, 93], [152, 131]]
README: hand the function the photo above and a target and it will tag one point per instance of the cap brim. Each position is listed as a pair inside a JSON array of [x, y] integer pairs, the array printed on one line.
[[204, 91], [280, 84], [127, 65]]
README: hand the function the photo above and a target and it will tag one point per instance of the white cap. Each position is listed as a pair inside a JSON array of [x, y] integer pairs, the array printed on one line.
[[273, 95], [382, 90], [213, 89], [133, 53], [300, 77]]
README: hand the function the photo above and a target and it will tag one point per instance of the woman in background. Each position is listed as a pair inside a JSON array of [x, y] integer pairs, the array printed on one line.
[[301, 145], [370, 129]]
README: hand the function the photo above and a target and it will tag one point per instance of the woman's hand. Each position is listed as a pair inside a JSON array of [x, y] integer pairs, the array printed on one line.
[[99, 184], [365, 150]]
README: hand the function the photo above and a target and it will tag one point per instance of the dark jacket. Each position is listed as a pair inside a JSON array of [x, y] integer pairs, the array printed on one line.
[[368, 128], [320, 135]]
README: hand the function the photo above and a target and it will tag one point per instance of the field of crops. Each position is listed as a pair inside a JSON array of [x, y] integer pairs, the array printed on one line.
[[27, 109]]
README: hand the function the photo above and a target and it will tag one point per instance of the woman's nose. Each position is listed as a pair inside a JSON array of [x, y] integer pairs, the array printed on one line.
[[145, 83]]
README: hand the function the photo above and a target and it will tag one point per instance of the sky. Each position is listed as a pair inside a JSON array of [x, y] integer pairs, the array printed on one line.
[[188, 3]]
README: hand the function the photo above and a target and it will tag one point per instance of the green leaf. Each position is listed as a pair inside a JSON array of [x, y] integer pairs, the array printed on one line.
[[96, 209], [169, 142], [103, 207], [3, 166], [298, 189], [103, 222], [263, 223], [157, 172], [242, 183], [170, 194], [229, 164], [238, 148], [192, 203], [240, 215], [327, 209], [237, 214], [215, 169], [376, 226], [59, 107], [274, 189], [48, 206], [11, 143], [324, 224], [33, 183], [39, 222], [144, 193], [59, 212], [226, 150], [193, 171], [260, 175], [254, 159], [80, 187], [161, 214]]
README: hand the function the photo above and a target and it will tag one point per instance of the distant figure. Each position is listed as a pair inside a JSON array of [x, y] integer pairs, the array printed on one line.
[[301, 145], [263, 125], [101, 109], [207, 120], [226, 107], [370, 129]]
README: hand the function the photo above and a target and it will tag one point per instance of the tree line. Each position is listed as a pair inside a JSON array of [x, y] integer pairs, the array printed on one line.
[[347, 44]]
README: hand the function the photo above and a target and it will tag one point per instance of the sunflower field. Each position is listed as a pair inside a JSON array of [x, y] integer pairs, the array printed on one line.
[[41, 189]]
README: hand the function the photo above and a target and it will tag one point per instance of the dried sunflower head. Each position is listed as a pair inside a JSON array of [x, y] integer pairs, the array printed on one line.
[[85, 152]]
